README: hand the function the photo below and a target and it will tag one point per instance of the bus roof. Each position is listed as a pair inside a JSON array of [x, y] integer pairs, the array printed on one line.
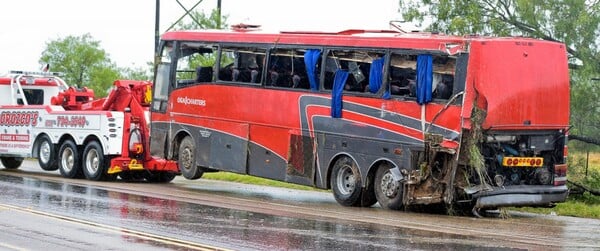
[[351, 37]]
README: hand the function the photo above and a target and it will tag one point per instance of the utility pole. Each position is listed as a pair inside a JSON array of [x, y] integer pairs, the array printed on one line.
[[219, 13], [156, 31]]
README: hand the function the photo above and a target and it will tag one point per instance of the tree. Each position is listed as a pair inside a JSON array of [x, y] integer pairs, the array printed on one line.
[[82, 61], [199, 21], [573, 22]]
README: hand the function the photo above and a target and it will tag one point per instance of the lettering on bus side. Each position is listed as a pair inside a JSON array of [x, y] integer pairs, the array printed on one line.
[[19, 118], [191, 101]]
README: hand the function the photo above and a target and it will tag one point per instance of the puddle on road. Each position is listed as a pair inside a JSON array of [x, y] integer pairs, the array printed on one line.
[[230, 228]]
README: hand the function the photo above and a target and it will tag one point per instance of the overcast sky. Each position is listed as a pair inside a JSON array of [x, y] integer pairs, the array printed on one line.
[[125, 28]]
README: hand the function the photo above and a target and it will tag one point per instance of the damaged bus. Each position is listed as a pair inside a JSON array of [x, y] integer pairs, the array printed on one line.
[[406, 120]]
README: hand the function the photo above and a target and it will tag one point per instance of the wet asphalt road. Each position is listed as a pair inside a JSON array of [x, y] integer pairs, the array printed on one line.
[[42, 211]]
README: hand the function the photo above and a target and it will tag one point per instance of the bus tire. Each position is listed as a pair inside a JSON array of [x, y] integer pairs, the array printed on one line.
[[389, 192], [346, 183], [95, 166], [187, 160], [11, 162], [69, 162], [368, 197], [47, 154]]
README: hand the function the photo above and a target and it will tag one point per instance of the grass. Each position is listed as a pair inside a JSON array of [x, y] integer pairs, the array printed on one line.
[[247, 179], [583, 205]]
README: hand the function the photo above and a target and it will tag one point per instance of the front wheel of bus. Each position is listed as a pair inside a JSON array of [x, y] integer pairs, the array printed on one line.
[[11, 162], [69, 162], [388, 190], [345, 182], [187, 160]]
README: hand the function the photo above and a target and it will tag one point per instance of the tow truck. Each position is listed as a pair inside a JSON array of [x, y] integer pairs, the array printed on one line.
[[67, 129]]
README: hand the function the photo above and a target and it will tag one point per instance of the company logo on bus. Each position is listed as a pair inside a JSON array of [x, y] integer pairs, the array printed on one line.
[[17, 118], [191, 101]]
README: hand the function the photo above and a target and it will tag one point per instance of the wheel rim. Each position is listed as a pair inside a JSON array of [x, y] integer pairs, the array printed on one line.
[[45, 152], [68, 160], [389, 186], [346, 180], [186, 158], [92, 161]]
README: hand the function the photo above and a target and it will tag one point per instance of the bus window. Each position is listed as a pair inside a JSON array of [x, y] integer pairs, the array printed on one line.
[[161, 81], [403, 75], [286, 68], [195, 63], [241, 64], [358, 64], [443, 76]]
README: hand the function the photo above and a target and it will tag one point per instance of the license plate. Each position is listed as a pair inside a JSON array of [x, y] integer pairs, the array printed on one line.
[[523, 161]]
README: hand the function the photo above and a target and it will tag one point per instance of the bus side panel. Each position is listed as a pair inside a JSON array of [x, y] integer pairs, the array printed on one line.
[[370, 145], [158, 142], [228, 152], [301, 159], [264, 160]]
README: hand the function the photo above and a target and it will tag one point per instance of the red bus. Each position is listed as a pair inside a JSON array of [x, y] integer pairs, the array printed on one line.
[[402, 119]]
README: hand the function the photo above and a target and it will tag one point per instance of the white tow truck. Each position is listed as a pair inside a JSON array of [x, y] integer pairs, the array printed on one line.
[[66, 128]]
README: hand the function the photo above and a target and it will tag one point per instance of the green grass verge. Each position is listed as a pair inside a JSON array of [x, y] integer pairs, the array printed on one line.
[[584, 206], [247, 179]]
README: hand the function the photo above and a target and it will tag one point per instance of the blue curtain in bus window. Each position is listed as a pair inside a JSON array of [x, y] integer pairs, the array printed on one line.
[[424, 78], [376, 77], [310, 60], [339, 81]]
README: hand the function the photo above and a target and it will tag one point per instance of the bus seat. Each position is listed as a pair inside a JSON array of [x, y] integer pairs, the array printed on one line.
[[235, 74], [204, 74]]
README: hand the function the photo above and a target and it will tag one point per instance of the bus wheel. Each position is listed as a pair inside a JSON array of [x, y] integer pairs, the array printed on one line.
[[11, 162], [160, 177], [94, 163], [345, 182], [47, 154], [69, 163], [187, 160], [387, 190]]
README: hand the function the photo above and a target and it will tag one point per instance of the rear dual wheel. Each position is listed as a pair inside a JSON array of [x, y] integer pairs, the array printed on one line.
[[69, 160], [91, 163], [388, 190], [347, 185], [95, 164], [346, 182]]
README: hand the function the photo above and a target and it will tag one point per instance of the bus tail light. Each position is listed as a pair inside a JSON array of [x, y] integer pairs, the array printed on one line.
[[560, 174]]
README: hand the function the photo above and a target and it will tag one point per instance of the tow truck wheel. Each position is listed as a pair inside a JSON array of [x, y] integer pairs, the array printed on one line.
[[94, 164], [47, 154], [187, 160], [69, 162], [11, 162], [160, 177], [387, 190], [346, 183]]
